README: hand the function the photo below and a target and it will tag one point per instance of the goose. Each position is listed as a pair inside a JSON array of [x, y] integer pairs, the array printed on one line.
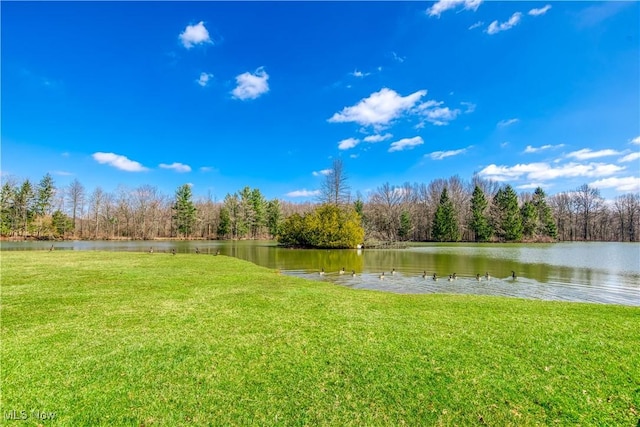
[[450, 278], [381, 277], [393, 271], [435, 277], [197, 251], [513, 275], [173, 251], [322, 272], [487, 276], [218, 252], [424, 274], [51, 248], [478, 277], [150, 249], [353, 273], [342, 271], [455, 276]]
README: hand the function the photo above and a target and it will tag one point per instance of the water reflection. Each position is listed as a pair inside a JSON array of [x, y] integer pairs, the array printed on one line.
[[588, 272]]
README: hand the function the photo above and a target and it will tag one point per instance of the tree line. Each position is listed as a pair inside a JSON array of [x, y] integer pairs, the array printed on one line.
[[441, 210]]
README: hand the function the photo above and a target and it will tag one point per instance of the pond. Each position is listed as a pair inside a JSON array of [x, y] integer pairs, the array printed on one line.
[[599, 272]]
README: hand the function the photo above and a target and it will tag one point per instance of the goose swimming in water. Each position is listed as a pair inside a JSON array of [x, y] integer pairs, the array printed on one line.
[[322, 272], [381, 277], [424, 274], [435, 277], [450, 278], [487, 276], [478, 277], [342, 271], [455, 276], [393, 271], [353, 273], [150, 250], [513, 275]]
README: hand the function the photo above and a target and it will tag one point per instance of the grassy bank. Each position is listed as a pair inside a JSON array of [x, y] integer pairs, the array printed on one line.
[[111, 338]]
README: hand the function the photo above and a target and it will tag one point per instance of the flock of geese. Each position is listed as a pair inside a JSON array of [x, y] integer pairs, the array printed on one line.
[[424, 275]]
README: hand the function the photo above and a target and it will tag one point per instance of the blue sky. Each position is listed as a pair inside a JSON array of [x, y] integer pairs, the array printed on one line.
[[224, 95]]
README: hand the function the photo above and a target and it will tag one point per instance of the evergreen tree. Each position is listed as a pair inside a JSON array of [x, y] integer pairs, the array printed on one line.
[[224, 225], [273, 217], [479, 223], [61, 223], [546, 223], [404, 231], [258, 205], [24, 203], [445, 223], [506, 215], [529, 220], [184, 211], [45, 193]]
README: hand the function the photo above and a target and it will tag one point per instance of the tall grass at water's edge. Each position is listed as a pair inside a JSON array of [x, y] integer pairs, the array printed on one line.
[[109, 338]]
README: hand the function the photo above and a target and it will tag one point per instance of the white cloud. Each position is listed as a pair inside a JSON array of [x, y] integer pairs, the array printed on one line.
[[62, 173], [471, 107], [441, 116], [303, 193], [377, 137], [251, 86], [118, 162], [378, 109], [476, 25], [439, 155], [323, 172], [630, 183], [444, 5], [544, 171], [531, 149], [406, 143], [348, 143], [509, 122], [541, 11], [587, 153], [195, 34], [204, 79], [532, 186], [435, 114], [357, 73], [495, 27], [206, 169], [397, 58], [178, 167], [630, 157], [636, 140]]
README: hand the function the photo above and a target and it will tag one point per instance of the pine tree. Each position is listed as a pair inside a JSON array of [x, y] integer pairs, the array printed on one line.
[[44, 197], [184, 211], [529, 220], [273, 217], [405, 226], [506, 215], [479, 223], [445, 223], [546, 223], [224, 225]]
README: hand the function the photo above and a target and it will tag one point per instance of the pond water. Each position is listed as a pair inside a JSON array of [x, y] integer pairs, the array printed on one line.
[[599, 272]]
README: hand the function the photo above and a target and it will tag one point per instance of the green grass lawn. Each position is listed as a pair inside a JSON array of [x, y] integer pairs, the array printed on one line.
[[112, 338]]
